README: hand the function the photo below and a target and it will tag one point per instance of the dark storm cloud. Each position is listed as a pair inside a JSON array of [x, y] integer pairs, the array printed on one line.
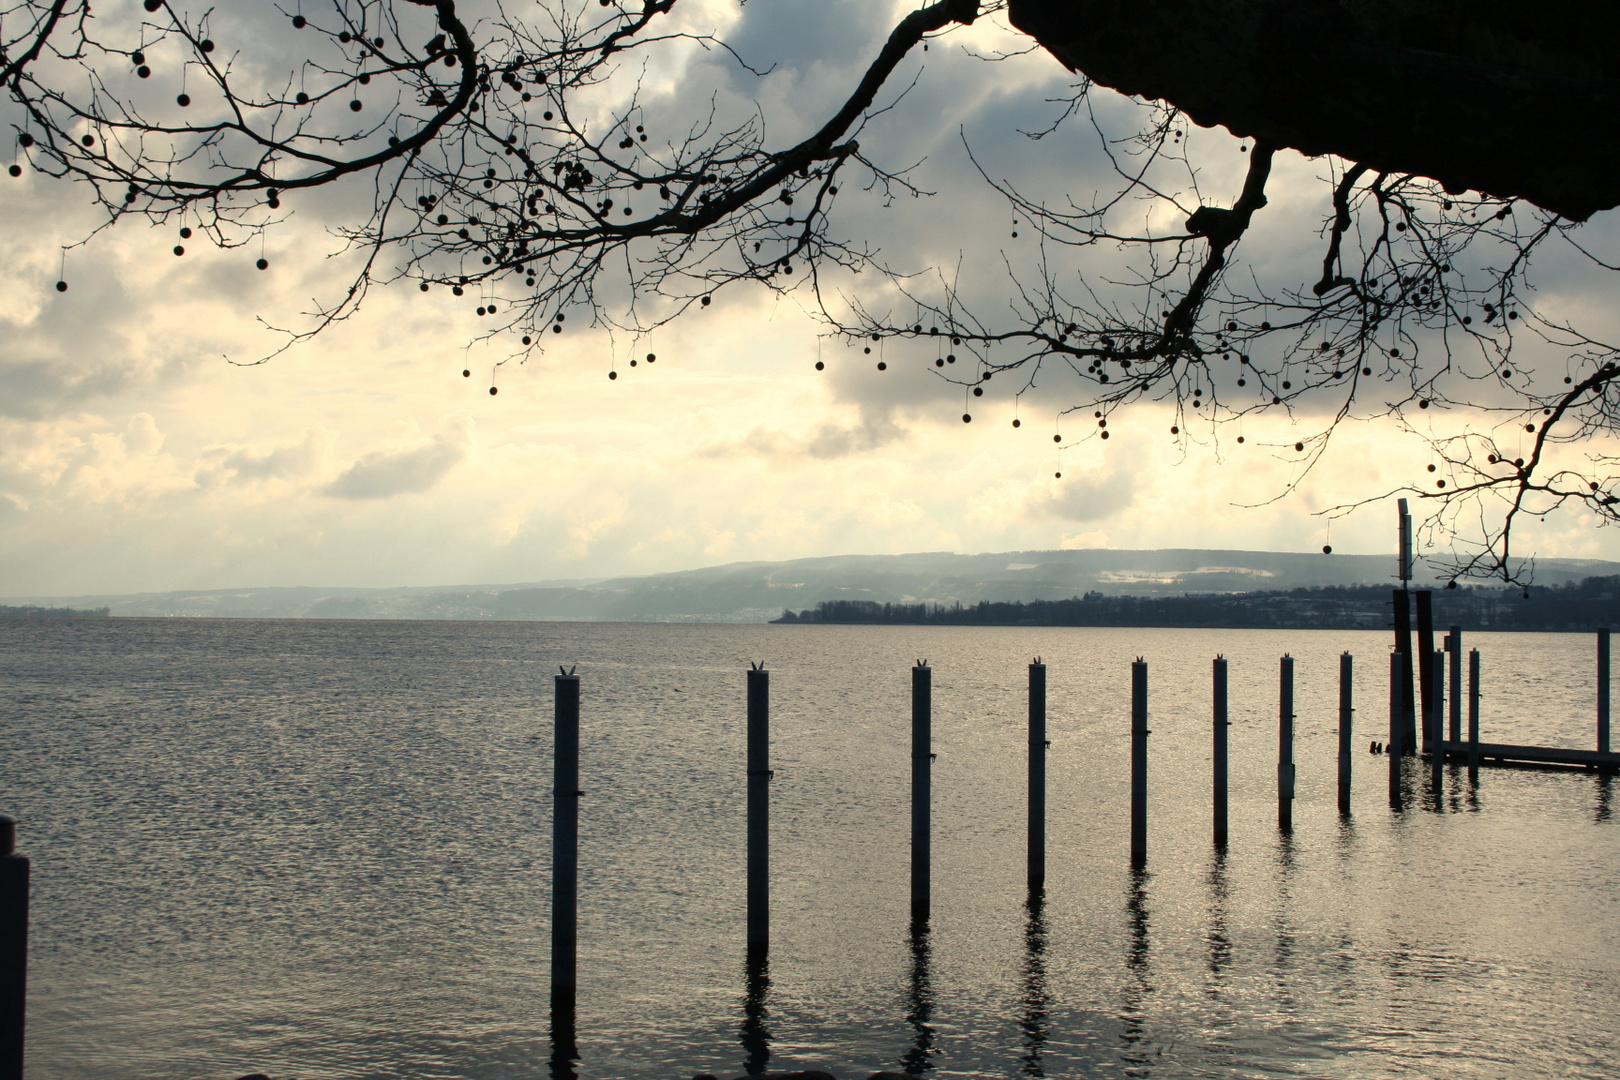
[[382, 474]]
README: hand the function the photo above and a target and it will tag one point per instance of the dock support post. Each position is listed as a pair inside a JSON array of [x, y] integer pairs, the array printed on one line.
[[1473, 711], [1037, 775], [14, 874], [922, 788], [1346, 731], [1139, 761], [1425, 666], [1403, 648], [1454, 647], [1285, 745], [1397, 724], [1220, 754], [1603, 690], [1437, 745], [759, 803], [565, 853]]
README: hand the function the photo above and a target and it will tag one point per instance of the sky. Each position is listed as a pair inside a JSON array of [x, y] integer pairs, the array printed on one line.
[[137, 454]]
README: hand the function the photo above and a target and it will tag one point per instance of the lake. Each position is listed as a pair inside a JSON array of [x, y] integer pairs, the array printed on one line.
[[322, 850]]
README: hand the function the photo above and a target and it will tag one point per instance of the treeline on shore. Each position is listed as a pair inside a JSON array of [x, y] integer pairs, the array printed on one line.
[[54, 612], [1594, 602]]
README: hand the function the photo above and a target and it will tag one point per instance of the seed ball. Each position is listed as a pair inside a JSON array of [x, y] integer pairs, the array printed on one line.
[[1017, 423], [978, 391], [153, 5], [882, 366], [480, 311], [492, 391], [1431, 468], [1105, 434], [491, 309], [632, 363], [207, 45], [302, 98], [424, 286], [298, 21], [89, 140], [25, 140], [178, 250], [1327, 549], [182, 100], [144, 72], [1530, 427], [1175, 430], [354, 106], [1366, 371], [867, 350], [1299, 446], [465, 374], [527, 340], [706, 301], [1240, 438], [613, 375], [1424, 404], [15, 170], [137, 57], [185, 234], [556, 328], [61, 286], [966, 418], [937, 363], [820, 366], [1057, 476], [950, 358], [1439, 483], [263, 264], [651, 357], [455, 290]]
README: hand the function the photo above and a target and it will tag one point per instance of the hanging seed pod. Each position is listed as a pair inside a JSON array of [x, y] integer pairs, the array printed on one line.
[[966, 418], [1017, 423], [613, 375], [182, 100], [61, 286], [651, 357], [298, 21], [820, 366], [492, 391], [1327, 549], [466, 374], [178, 250], [978, 391], [16, 170], [882, 366], [263, 264]]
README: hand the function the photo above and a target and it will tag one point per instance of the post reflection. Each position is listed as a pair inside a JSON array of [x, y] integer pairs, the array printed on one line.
[[564, 1048], [1220, 943], [919, 1059], [755, 1036], [1605, 797], [1138, 982], [1037, 1002]]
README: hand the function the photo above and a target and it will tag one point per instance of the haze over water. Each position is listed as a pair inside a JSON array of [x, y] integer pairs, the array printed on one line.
[[321, 849]]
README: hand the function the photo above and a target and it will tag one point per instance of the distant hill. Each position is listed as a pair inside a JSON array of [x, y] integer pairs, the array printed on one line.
[[760, 591]]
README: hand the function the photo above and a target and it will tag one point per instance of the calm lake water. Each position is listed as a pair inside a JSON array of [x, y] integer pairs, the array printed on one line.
[[321, 849]]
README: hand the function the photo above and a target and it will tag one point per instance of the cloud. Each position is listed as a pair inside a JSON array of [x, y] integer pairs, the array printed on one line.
[[1083, 497], [383, 474]]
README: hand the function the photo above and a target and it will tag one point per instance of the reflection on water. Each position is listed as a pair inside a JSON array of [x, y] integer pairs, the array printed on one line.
[[1220, 944], [1037, 1000], [919, 1058], [1605, 798], [1138, 973], [563, 1035], [755, 1036]]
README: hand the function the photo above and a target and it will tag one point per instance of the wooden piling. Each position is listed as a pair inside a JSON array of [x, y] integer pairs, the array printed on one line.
[[565, 845], [1220, 754], [1473, 711], [1139, 761], [922, 777], [1285, 744], [1454, 648], [1037, 774], [1425, 666], [1437, 745], [1403, 649], [1603, 690], [14, 875], [1397, 724], [759, 802], [1346, 732]]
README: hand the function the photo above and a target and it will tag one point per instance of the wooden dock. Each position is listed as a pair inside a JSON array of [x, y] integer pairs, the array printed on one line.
[[1509, 754]]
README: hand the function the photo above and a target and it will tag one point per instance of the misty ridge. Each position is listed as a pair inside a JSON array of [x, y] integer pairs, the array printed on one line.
[[1120, 587]]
